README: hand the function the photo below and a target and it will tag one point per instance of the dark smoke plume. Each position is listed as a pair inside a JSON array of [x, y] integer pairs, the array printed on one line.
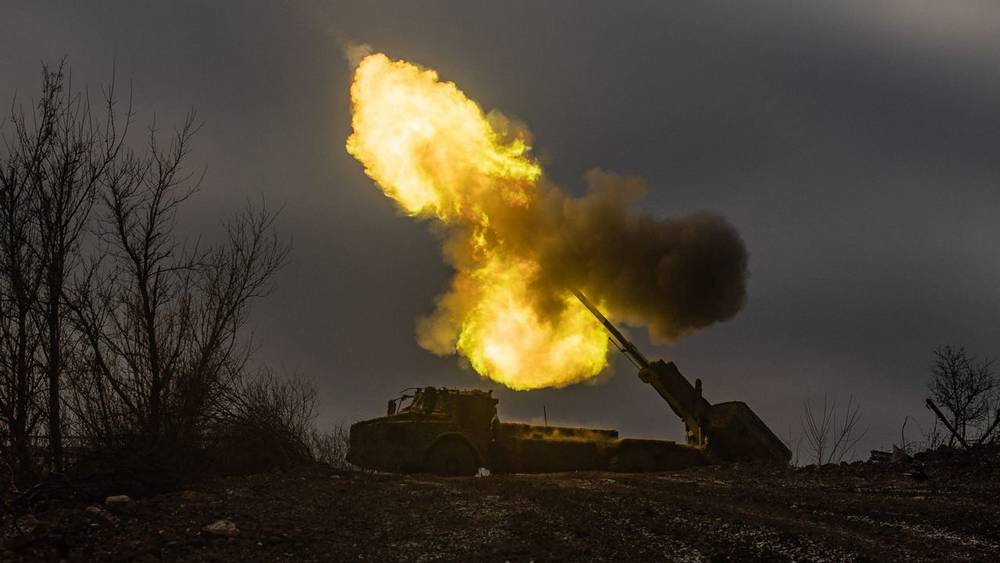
[[672, 275]]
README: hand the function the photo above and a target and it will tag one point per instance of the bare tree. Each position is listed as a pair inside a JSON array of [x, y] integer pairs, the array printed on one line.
[[25, 148], [141, 339], [84, 147], [162, 318], [964, 386], [56, 156], [831, 434]]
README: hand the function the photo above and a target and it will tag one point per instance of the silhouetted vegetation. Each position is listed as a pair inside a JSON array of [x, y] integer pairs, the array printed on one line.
[[966, 388], [331, 447], [122, 342], [830, 433], [265, 422]]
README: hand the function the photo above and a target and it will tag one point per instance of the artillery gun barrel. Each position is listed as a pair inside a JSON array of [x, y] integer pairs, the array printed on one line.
[[623, 343], [730, 431]]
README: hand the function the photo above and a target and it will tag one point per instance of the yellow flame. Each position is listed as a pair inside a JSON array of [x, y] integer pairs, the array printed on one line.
[[433, 151]]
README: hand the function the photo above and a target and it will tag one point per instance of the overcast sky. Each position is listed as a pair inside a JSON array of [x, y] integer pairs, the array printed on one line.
[[855, 145]]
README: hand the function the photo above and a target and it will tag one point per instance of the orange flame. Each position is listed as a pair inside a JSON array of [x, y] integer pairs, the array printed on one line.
[[438, 156]]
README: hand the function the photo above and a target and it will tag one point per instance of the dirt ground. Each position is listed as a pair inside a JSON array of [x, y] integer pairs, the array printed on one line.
[[856, 512]]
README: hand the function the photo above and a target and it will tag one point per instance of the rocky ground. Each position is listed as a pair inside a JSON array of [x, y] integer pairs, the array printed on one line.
[[946, 509]]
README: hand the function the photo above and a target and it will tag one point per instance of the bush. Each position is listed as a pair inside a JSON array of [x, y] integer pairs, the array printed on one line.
[[331, 447], [265, 423]]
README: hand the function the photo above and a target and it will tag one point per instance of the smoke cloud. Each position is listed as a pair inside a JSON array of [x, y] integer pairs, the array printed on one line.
[[519, 244], [671, 275], [355, 52]]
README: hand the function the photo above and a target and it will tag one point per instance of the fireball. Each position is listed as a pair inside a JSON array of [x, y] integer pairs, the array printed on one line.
[[439, 157]]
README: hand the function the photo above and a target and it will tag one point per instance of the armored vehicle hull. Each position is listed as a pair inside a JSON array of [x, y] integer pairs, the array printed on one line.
[[456, 432]]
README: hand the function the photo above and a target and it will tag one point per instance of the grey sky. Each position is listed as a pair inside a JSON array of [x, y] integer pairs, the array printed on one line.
[[854, 144]]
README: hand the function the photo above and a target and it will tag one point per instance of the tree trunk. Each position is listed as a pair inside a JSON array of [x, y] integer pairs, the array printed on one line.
[[54, 367], [20, 440], [20, 430]]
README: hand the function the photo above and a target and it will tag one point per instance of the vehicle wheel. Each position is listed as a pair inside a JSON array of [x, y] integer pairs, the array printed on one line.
[[451, 457]]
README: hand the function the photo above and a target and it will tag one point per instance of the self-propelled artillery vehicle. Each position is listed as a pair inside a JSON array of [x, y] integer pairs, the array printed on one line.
[[456, 432]]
